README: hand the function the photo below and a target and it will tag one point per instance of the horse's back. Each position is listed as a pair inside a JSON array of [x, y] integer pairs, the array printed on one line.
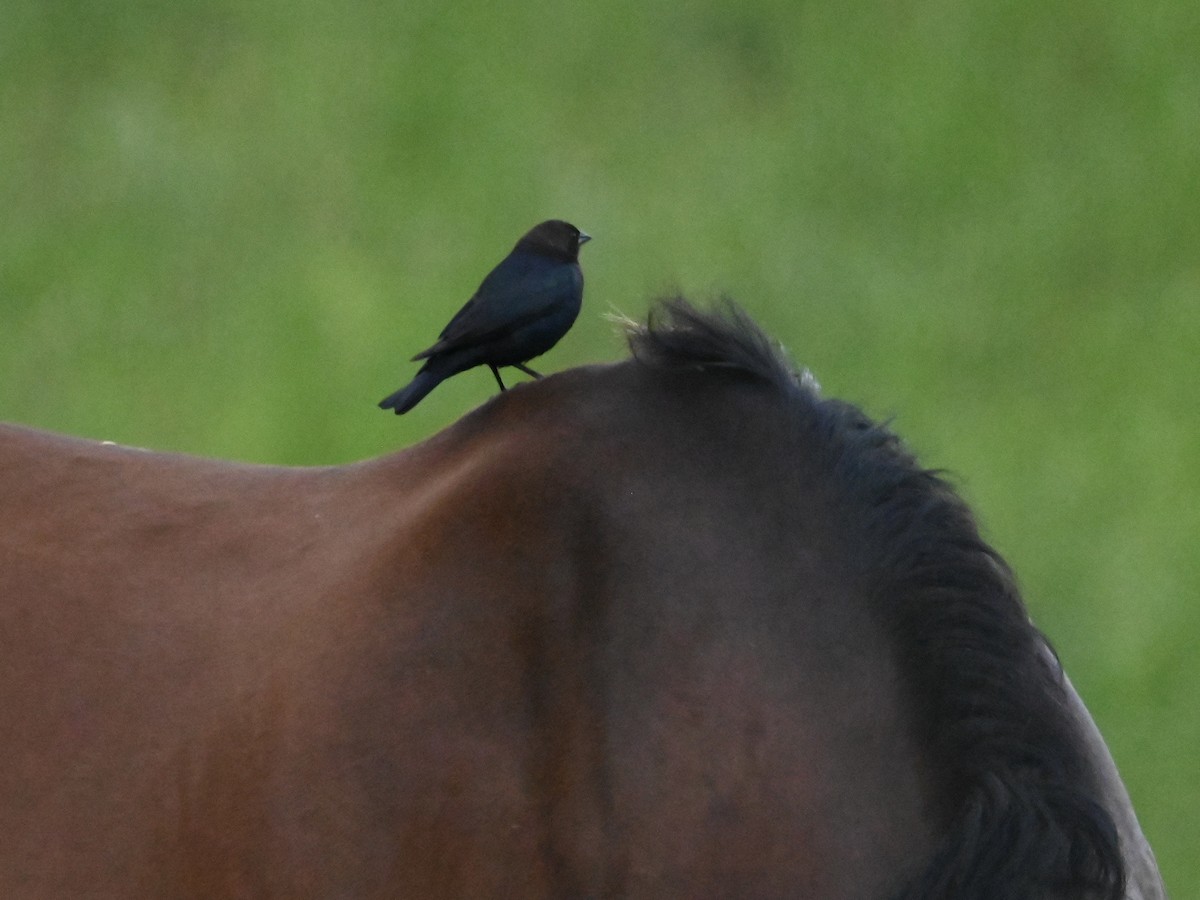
[[148, 603], [614, 634], [529, 660]]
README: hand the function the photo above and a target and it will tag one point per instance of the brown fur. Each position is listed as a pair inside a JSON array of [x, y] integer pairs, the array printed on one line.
[[563, 649]]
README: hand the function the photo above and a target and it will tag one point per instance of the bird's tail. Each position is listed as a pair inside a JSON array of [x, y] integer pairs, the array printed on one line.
[[408, 397]]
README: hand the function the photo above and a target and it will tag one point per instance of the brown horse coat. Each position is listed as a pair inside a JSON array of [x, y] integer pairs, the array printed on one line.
[[603, 637]]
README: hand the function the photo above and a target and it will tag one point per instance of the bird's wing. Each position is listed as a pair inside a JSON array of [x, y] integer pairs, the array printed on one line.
[[521, 289]]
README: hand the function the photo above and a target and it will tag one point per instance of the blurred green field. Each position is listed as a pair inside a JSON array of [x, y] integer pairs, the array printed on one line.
[[226, 226]]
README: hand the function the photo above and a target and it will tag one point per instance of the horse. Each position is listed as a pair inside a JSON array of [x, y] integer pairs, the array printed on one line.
[[676, 626]]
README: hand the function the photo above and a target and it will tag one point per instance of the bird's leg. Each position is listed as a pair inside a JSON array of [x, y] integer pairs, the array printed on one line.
[[526, 370], [496, 372]]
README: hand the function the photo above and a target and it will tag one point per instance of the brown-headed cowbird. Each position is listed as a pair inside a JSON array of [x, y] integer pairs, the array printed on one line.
[[520, 311]]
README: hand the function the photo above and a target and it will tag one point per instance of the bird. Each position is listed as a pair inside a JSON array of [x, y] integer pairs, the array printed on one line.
[[520, 310]]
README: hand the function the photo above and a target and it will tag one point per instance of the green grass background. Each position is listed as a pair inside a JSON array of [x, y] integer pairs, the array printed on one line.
[[225, 226]]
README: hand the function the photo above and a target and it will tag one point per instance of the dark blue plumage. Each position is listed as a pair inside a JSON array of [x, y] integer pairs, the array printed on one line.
[[519, 312]]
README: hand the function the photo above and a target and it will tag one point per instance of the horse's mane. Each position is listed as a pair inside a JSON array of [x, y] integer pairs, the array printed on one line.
[[1022, 805]]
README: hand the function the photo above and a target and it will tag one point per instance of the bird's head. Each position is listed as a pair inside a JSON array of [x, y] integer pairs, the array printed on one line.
[[554, 238]]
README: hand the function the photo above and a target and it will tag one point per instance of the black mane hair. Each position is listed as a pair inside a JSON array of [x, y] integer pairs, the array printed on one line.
[[1023, 813]]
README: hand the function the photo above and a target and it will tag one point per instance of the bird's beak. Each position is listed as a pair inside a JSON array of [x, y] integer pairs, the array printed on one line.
[[584, 238]]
